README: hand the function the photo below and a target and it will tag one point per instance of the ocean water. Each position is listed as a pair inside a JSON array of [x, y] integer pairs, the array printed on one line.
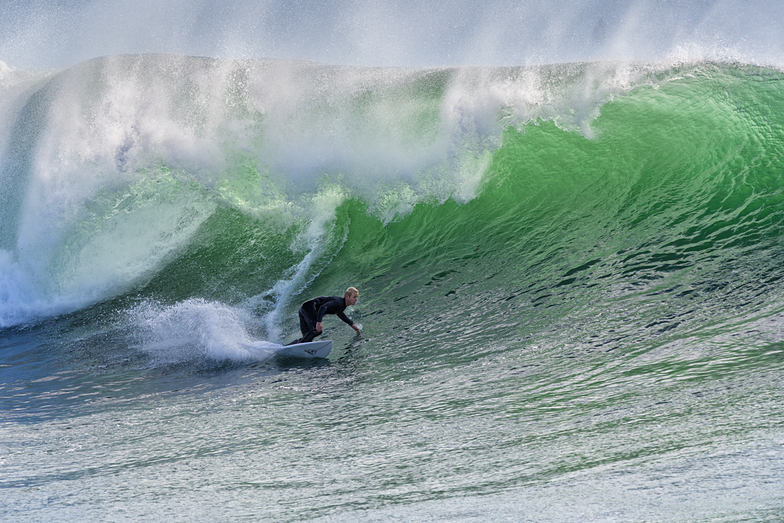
[[571, 291]]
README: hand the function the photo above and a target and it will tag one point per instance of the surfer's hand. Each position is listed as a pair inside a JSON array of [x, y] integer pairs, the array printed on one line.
[[318, 326], [356, 329]]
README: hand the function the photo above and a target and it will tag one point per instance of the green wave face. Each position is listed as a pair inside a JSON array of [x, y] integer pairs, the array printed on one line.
[[666, 225], [475, 207]]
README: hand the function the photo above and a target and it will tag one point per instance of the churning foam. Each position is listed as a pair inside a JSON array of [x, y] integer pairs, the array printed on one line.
[[197, 330]]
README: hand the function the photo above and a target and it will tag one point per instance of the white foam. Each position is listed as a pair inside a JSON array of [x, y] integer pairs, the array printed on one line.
[[15, 292], [195, 330]]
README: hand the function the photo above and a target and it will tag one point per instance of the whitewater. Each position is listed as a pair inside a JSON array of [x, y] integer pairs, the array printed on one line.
[[569, 270]]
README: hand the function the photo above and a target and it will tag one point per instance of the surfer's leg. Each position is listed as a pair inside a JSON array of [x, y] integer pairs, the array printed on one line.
[[309, 336], [304, 327], [307, 326]]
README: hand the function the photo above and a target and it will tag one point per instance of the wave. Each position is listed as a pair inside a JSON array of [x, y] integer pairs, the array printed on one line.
[[523, 198]]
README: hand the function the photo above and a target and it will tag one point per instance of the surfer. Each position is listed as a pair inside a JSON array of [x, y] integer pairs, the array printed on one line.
[[312, 312]]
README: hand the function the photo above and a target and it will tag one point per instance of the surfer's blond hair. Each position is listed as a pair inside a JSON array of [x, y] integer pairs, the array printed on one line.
[[351, 291]]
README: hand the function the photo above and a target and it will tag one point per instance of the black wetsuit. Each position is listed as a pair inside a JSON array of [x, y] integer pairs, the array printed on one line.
[[312, 311]]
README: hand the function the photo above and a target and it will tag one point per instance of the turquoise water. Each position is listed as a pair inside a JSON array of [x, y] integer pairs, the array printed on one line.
[[570, 291]]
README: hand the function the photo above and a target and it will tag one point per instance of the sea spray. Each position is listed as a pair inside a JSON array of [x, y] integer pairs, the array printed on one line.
[[196, 333]]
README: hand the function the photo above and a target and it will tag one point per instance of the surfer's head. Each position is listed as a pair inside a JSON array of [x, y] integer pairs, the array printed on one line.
[[351, 296]]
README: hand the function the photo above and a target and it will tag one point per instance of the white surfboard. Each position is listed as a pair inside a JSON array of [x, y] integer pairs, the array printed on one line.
[[313, 349]]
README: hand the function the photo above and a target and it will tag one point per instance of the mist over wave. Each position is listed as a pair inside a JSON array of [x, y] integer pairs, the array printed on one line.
[[456, 32]]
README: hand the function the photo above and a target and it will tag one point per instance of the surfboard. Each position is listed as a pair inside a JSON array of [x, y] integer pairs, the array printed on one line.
[[313, 349]]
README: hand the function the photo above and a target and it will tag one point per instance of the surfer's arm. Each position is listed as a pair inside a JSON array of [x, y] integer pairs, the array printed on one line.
[[324, 309], [327, 307], [319, 327], [351, 324]]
